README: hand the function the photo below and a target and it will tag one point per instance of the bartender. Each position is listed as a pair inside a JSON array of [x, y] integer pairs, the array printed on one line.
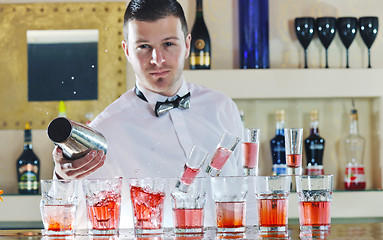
[[144, 141]]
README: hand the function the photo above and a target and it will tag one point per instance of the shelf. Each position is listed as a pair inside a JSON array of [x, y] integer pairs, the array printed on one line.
[[291, 83]]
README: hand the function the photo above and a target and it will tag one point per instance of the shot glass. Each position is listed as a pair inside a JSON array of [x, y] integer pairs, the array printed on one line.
[[272, 194], [147, 196], [58, 205], [229, 195], [103, 202], [315, 196], [188, 207], [250, 151], [293, 146], [192, 167], [225, 148]]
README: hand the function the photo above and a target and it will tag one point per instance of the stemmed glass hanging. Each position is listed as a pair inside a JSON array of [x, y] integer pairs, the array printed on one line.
[[347, 28], [304, 29], [326, 27], [368, 27]]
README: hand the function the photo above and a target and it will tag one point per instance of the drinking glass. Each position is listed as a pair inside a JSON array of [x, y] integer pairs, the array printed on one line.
[[326, 28], [368, 27], [188, 207], [103, 202], [58, 205], [229, 194], [147, 196], [304, 29], [223, 151], [192, 167], [315, 196], [347, 28], [293, 146], [250, 151], [272, 194]]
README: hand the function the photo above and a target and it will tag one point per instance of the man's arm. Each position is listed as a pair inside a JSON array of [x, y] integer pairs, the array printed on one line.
[[79, 168]]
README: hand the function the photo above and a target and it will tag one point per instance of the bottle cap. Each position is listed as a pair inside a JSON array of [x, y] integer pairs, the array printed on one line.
[[314, 115], [354, 114], [280, 115], [62, 109]]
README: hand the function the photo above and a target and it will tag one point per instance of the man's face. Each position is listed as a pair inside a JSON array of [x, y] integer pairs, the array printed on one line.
[[157, 51]]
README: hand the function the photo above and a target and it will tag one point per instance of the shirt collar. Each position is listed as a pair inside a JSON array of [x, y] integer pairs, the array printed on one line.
[[153, 97]]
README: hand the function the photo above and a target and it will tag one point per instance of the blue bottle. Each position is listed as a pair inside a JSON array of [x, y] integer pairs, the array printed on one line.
[[254, 33]]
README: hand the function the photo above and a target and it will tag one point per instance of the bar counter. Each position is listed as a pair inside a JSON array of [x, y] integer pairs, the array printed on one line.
[[340, 231]]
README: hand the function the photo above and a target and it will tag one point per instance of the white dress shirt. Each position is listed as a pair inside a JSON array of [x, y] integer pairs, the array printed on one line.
[[141, 145]]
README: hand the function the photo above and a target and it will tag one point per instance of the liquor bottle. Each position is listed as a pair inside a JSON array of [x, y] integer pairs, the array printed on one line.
[[28, 166], [354, 146], [314, 147], [200, 51], [277, 145]]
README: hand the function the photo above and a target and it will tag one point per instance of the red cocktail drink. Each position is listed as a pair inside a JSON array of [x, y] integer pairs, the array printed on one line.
[[105, 213], [60, 219], [231, 216], [294, 160], [315, 215], [272, 214], [188, 220], [189, 174], [147, 209], [250, 154]]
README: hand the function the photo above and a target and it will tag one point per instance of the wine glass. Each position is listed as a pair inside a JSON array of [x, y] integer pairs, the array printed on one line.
[[304, 28], [368, 27], [326, 27], [347, 28]]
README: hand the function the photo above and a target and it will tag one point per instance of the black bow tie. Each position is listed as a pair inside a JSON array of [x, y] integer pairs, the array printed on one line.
[[178, 102], [163, 107]]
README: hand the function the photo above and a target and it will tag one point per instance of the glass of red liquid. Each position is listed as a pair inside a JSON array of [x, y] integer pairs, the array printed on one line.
[[192, 167], [147, 196], [103, 203], [229, 195], [250, 151], [58, 206], [315, 196], [225, 148], [188, 207], [293, 146], [272, 194]]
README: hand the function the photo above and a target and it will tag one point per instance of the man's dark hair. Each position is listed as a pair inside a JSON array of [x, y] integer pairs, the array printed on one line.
[[153, 10]]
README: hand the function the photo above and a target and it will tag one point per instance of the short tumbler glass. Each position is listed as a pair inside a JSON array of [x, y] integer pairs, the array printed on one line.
[[229, 194], [272, 194], [315, 196], [103, 201], [147, 196], [188, 207], [58, 206]]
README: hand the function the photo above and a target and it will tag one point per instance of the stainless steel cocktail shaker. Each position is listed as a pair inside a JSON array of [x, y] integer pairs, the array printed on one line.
[[75, 139]]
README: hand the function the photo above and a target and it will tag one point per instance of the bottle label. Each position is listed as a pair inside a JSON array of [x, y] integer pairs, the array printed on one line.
[[314, 170], [203, 59], [28, 181], [279, 169], [28, 168], [354, 174], [199, 44]]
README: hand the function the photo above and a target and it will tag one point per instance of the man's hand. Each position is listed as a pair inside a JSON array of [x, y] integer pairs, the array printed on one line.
[[79, 168]]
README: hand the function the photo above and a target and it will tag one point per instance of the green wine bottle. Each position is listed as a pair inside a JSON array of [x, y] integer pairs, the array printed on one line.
[[200, 49]]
